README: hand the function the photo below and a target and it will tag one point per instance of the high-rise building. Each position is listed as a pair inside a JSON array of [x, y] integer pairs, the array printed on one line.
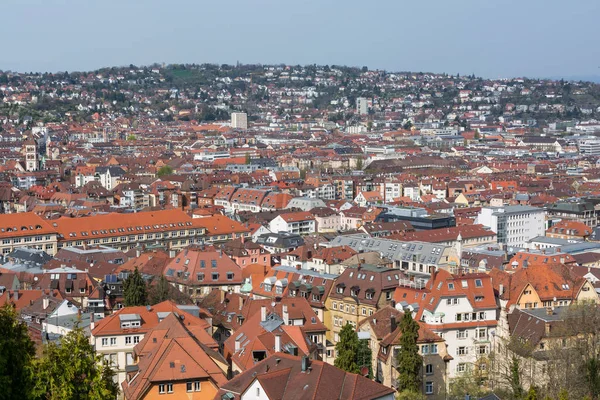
[[239, 120], [362, 106]]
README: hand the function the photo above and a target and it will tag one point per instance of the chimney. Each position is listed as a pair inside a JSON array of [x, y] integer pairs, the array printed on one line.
[[286, 316], [393, 323], [305, 363], [501, 289], [222, 293], [16, 295], [237, 344], [263, 313], [241, 302], [45, 302], [277, 343], [92, 322]]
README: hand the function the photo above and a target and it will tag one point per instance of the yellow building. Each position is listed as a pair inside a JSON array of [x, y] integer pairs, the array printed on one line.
[[357, 294]]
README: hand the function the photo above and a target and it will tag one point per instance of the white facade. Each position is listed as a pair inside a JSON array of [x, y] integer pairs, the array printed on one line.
[[514, 225], [302, 227], [239, 120], [466, 344], [362, 106]]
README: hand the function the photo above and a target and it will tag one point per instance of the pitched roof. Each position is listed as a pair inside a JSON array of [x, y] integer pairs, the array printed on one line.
[[282, 377]]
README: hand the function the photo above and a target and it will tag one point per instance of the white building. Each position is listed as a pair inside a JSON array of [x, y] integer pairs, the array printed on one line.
[[362, 105], [515, 225], [460, 309], [301, 223], [239, 120]]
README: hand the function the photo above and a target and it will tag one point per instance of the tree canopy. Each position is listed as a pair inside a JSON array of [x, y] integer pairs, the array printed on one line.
[[134, 290], [165, 170], [408, 358], [347, 349], [71, 370], [16, 356]]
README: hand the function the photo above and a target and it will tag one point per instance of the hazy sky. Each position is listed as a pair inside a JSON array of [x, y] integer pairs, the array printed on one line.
[[502, 38]]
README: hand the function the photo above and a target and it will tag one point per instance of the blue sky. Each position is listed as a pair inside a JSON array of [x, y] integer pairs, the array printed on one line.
[[536, 38]]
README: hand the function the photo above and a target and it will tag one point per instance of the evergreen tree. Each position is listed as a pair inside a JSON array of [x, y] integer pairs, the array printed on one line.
[[347, 350], [164, 170], [71, 370], [364, 357], [16, 356], [134, 290], [408, 359]]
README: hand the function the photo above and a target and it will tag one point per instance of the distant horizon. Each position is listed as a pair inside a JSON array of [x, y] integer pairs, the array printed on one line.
[[573, 78], [535, 38]]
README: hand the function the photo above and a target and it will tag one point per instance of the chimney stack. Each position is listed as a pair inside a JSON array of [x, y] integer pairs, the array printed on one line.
[[305, 363], [263, 313], [286, 315], [277, 343], [241, 302], [45, 302], [501, 289], [237, 345]]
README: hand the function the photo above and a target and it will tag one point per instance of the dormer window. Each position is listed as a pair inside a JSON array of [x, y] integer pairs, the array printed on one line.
[[340, 289]]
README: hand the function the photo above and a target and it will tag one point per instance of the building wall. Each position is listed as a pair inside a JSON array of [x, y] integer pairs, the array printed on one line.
[[208, 392]]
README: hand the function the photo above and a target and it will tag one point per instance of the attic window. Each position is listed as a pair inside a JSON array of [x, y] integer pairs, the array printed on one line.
[[565, 286], [478, 283], [450, 286], [464, 284]]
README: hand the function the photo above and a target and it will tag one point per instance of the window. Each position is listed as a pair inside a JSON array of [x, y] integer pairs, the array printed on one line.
[[429, 369], [462, 367], [462, 334], [482, 350], [434, 349], [425, 349], [197, 386], [127, 339], [113, 341], [462, 350], [334, 305], [104, 342], [428, 387], [257, 391], [161, 388], [189, 386], [169, 388], [136, 339], [478, 283]]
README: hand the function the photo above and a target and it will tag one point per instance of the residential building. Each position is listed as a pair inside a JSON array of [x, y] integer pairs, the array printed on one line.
[[358, 293], [239, 120], [171, 361], [197, 272], [461, 309], [383, 332], [283, 376], [514, 225], [300, 223], [115, 336]]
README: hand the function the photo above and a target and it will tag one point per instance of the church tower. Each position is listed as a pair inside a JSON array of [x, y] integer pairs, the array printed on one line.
[[31, 154]]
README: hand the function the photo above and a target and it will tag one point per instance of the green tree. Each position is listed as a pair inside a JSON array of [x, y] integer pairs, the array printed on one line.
[[532, 394], [359, 163], [408, 395], [364, 357], [71, 370], [347, 350], [131, 137], [165, 170], [515, 378], [16, 356], [161, 291], [563, 394], [592, 377], [247, 158], [408, 358], [134, 289]]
